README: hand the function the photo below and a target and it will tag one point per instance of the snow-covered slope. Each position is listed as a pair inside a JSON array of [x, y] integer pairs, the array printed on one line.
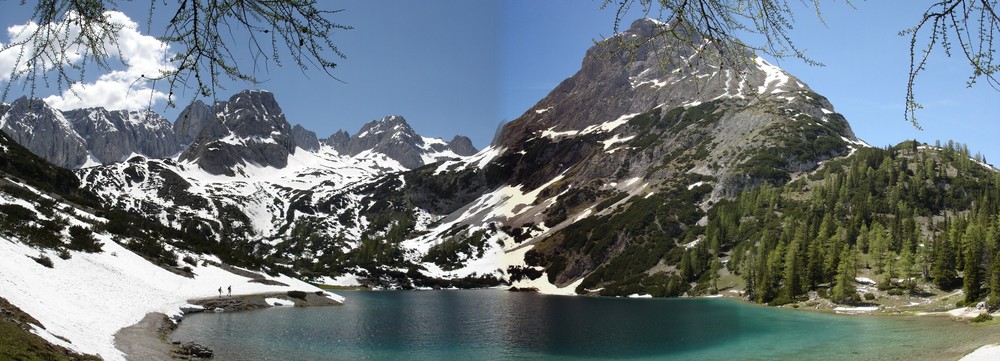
[[84, 272], [89, 297], [261, 196]]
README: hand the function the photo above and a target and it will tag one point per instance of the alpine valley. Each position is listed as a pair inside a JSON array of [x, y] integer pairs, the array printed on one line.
[[649, 172]]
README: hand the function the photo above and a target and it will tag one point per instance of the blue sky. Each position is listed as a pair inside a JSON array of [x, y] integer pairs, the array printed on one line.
[[463, 67]]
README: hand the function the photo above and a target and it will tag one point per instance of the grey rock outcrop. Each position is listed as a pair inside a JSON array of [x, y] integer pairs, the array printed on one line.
[[462, 145], [44, 131], [304, 138], [249, 128], [339, 141], [189, 123], [111, 136]]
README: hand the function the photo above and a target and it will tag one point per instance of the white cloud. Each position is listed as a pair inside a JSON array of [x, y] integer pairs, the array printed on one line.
[[118, 89]]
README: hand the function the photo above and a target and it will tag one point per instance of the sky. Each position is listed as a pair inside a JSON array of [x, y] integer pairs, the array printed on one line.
[[465, 67]]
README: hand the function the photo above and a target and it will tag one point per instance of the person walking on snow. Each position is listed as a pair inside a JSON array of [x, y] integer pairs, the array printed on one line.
[[230, 289], [220, 292]]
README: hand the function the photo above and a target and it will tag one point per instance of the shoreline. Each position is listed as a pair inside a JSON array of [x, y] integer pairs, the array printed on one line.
[[148, 339], [980, 351]]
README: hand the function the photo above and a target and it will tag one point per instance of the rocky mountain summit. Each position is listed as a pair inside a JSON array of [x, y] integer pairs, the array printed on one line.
[[395, 138], [112, 136], [44, 131], [249, 128]]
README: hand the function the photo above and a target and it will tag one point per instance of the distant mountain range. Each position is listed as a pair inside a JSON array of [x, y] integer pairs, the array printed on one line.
[[249, 128]]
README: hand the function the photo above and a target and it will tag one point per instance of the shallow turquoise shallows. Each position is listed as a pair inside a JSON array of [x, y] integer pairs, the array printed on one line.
[[498, 325]]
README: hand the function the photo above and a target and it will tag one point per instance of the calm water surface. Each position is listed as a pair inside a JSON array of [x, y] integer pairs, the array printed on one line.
[[499, 325]]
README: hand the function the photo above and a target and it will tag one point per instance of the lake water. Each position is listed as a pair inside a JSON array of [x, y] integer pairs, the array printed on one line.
[[499, 325]]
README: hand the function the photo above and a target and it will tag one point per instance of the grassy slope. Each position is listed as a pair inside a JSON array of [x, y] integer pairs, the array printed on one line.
[[18, 343]]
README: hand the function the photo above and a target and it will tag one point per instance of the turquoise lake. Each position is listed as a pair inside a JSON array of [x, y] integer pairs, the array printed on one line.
[[499, 325]]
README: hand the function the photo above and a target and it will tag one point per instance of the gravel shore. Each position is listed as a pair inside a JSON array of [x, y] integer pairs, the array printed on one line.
[[148, 339]]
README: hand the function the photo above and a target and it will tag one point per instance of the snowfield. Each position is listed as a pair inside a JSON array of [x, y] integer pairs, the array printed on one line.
[[985, 353], [89, 297]]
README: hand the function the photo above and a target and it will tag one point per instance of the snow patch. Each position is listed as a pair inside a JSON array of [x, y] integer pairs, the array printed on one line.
[[695, 185], [345, 280], [774, 77], [985, 353], [853, 310], [279, 302], [615, 140], [865, 280]]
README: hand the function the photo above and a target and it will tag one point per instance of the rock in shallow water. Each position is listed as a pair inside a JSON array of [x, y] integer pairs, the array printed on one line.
[[196, 350]]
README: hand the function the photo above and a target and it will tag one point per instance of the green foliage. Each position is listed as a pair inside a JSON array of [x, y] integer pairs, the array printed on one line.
[[911, 214], [17, 342], [766, 166], [15, 214], [153, 250], [19, 162], [640, 233], [452, 251], [983, 317], [82, 239], [43, 260]]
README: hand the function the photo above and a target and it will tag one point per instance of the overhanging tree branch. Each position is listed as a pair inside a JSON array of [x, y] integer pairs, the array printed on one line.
[[73, 34]]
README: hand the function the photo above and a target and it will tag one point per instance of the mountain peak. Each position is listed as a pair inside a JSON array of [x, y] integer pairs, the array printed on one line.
[[394, 137], [638, 70], [248, 128], [390, 124]]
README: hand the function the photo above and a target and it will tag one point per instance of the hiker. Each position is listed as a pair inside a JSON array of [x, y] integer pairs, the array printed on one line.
[[220, 292], [230, 290]]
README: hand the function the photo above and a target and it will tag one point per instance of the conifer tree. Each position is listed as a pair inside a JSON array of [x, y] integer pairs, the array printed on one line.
[[793, 270], [775, 268], [878, 247], [994, 284], [972, 281], [943, 270], [715, 267], [843, 289]]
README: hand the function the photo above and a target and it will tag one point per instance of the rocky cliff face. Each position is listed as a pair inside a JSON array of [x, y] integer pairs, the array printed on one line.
[[304, 138], [112, 136], [461, 145], [191, 120], [45, 132], [339, 141]]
